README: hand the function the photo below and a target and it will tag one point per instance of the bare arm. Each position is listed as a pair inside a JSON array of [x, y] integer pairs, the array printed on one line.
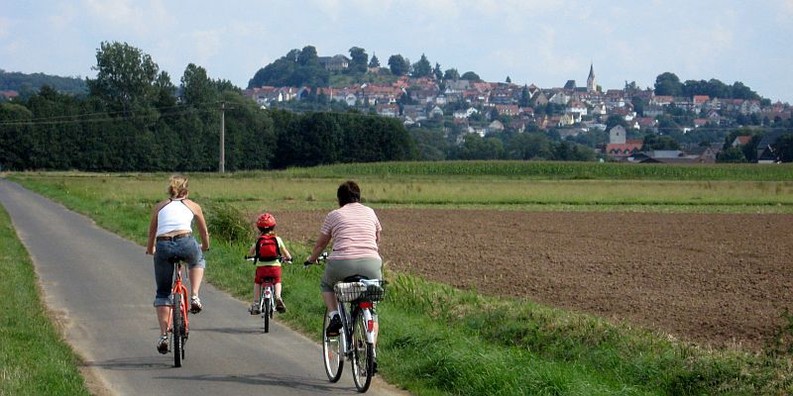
[[153, 228], [201, 223], [319, 246]]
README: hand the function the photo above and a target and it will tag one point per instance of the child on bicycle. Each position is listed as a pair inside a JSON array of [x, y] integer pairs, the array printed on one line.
[[269, 251]]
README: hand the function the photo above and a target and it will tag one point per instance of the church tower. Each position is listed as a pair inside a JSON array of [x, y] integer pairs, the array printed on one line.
[[590, 81]]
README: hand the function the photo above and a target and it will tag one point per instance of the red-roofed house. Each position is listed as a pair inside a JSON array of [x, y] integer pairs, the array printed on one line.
[[741, 140]]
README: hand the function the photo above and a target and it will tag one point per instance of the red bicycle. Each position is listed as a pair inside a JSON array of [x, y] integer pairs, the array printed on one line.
[[178, 322]]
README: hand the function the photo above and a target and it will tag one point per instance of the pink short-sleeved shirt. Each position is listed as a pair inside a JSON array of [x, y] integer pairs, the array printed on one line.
[[354, 229]]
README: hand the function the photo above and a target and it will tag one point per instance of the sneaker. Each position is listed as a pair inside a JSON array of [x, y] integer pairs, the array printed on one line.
[[334, 326], [254, 309], [279, 305], [162, 344], [195, 305]]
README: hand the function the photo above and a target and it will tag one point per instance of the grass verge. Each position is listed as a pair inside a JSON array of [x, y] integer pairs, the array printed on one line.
[[34, 360]]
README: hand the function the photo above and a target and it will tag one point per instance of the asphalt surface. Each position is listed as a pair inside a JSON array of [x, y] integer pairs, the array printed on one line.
[[100, 287]]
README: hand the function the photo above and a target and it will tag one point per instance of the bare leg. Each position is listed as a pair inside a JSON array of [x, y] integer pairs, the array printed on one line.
[[255, 293], [278, 291], [330, 301], [163, 314], [196, 275]]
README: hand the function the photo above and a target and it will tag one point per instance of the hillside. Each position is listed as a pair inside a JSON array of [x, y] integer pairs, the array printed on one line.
[[23, 83]]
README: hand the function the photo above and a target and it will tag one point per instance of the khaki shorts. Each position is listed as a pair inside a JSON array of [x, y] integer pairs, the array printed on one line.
[[337, 270]]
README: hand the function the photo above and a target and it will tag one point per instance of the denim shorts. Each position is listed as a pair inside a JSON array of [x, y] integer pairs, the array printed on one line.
[[186, 248], [337, 270]]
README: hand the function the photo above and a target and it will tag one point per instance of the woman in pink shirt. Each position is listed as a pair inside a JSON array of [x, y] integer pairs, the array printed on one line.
[[355, 231]]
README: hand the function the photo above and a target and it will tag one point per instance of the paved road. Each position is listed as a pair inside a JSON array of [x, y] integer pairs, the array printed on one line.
[[101, 286]]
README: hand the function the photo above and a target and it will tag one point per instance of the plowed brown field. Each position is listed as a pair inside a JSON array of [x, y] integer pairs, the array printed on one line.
[[713, 279]]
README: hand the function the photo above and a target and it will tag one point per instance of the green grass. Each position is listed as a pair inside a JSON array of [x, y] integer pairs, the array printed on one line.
[[436, 340], [34, 360]]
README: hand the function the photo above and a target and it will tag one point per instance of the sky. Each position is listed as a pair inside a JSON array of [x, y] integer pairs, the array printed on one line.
[[540, 42]]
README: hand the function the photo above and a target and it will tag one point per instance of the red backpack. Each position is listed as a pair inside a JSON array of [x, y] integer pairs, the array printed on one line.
[[267, 248]]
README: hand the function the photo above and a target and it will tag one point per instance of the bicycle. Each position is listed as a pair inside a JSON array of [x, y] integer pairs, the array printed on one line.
[[266, 305], [178, 322], [356, 297]]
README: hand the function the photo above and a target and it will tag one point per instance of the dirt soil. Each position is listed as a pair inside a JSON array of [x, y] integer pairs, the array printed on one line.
[[714, 279]]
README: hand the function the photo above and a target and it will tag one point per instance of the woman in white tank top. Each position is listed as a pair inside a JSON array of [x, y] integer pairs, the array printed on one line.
[[171, 235]]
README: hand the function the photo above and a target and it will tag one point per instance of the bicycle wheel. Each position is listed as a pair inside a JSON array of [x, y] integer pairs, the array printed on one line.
[[177, 330], [362, 354], [332, 354], [266, 314]]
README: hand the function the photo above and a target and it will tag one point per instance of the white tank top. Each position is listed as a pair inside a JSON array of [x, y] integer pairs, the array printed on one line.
[[174, 216]]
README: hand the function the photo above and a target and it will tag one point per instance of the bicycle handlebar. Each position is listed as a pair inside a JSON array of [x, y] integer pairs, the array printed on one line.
[[253, 258], [322, 257]]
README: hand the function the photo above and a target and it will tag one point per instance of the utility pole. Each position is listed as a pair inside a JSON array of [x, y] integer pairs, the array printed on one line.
[[222, 137]]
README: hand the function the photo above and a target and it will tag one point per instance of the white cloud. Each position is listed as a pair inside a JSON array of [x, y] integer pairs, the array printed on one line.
[[143, 18]]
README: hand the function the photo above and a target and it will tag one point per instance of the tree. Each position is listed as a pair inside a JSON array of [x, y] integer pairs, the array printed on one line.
[[470, 76], [437, 72], [783, 147], [508, 80], [731, 155], [451, 74], [422, 68], [399, 65], [614, 120], [359, 61], [125, 77], [668, 84], [197, 88], [374, 62], [655, 142], [308, 56]]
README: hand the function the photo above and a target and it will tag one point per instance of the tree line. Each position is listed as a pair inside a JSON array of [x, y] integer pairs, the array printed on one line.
[[134, 118]]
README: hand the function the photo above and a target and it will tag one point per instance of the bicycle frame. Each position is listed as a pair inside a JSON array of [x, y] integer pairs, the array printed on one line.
[[357, 339], [267, 301], [178, 321]]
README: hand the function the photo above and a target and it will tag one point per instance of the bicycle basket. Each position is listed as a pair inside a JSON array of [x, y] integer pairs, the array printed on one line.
[[368, 290]]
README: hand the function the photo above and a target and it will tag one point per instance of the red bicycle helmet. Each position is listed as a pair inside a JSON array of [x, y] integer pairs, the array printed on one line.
[[265, 220]]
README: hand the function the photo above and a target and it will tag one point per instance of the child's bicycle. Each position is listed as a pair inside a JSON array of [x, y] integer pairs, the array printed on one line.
[[266, 303], [356, 297], [178, 321]]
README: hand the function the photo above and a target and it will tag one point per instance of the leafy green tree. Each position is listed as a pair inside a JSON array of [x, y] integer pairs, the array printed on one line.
[[668, 84], [614, 120], [165, 98], [451, 75], [528, 146], [422, 68], [471, 76], [399, 65], [655, 142], [475, 147], [639, 104], [125, 77], [15, 136], [308, 56], [359, 61], [197, 89], [731, 155]]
